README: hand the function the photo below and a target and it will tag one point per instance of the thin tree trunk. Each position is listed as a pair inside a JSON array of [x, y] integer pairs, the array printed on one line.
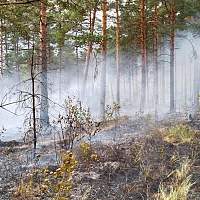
[[1, 50], [92, 19], [16, 45], [104, 55], [182, 85], [143, 53], [88, 55], [155, 58], [198, 82], [78, 74], [172, 57], [137, 86], [6, 49], [190, 81], [118, 49], [163, 73], [124, 86], [196, 92], [185, 81], [133, 76], [33, 103], [60, 72], [130, 81], [28, 44], [44, 116]]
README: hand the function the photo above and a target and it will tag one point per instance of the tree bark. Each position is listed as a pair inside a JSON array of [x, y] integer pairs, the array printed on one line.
[[104, 55], [155, 58], [44, 116], [143, 52], [6, 48], [1, 50], [60, 71], [16, 49], [172, 56], [118, 49], [130, 75], [186, 85], [92, 19], [196, 87], [77, 71], [163, 52], [33, 103]]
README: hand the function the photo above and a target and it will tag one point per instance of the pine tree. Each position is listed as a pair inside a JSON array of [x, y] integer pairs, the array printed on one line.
[[44, 116], [104, 61]]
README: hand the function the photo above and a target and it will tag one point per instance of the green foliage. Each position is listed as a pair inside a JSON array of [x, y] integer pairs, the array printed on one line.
[[68, 24]]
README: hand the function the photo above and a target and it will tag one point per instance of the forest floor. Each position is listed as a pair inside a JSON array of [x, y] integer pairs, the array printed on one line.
[[127, 159]]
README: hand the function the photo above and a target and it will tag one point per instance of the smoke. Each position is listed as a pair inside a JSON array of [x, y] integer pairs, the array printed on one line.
[[68, 82]]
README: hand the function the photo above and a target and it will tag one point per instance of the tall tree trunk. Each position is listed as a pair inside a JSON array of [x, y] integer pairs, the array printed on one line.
[[33, 101], [28, 43], [198, 83], [6, 49], [196, 90], [104, 55], [130, 75], [61, 51], [143, 52], [190, 81], [137, 87], [92, 19], [44, 116], [172, 56], [60, 71], [1, 49], [186, 85], [77, 71], [163, 72], [16, 49], [118, 49], [155, 58], [133, 61]]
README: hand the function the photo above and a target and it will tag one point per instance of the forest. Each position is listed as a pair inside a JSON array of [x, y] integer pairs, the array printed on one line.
[[100, 99]]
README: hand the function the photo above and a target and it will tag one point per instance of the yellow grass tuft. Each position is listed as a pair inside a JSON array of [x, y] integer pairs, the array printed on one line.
[[180, 187], [179, 134]]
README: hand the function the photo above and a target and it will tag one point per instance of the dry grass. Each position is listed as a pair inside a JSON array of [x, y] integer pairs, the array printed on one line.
[[150, 167], [43, 183], [179, 134], [179, 189]]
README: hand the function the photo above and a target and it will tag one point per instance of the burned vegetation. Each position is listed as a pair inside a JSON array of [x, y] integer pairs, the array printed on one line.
[[99, 100]]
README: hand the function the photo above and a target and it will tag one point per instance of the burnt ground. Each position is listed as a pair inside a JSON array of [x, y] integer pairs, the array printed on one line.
[[131, 167]]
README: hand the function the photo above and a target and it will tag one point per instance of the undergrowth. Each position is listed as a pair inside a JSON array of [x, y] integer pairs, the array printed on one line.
[[54, 184], [180, 187], [156, 167], [179, 134]]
